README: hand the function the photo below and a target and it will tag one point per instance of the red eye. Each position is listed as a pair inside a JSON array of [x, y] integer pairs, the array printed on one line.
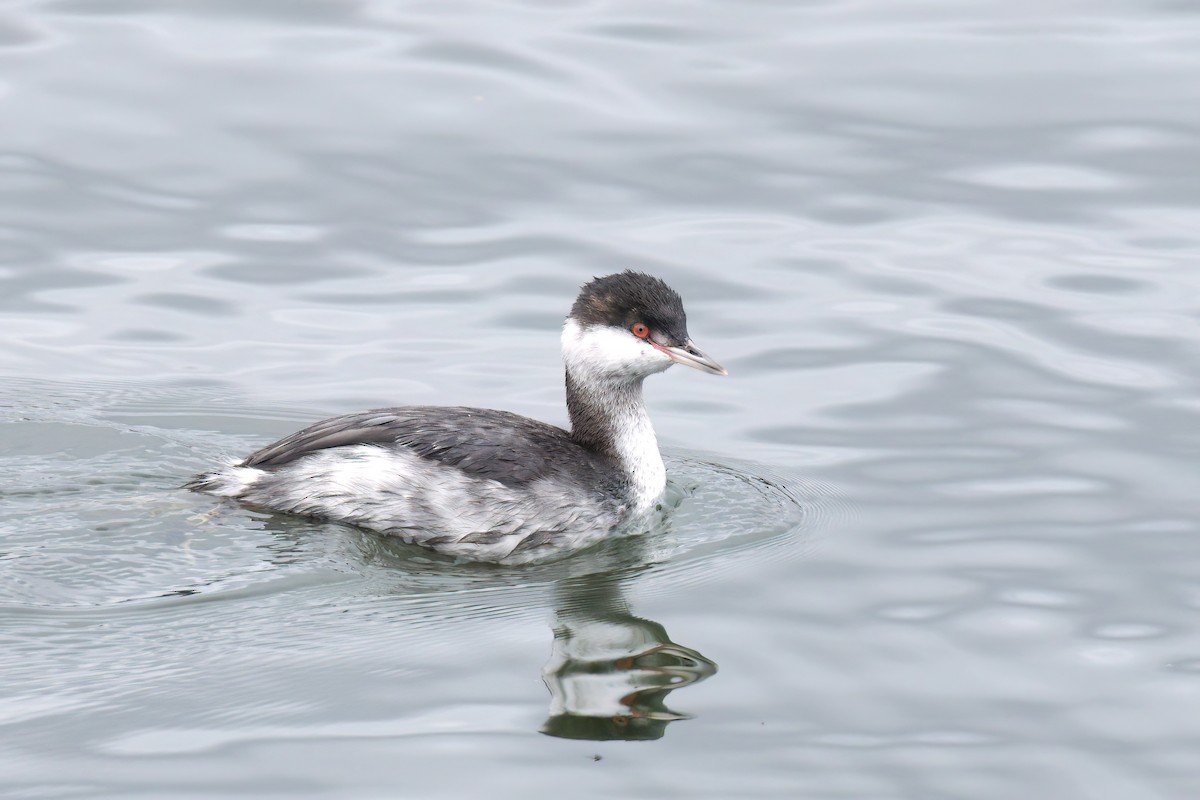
[[640, 330]]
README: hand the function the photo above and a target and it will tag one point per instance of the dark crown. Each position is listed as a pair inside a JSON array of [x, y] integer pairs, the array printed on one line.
[[627, 297]]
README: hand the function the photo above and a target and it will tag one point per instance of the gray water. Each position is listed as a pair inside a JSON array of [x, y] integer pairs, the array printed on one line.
[[937, 532]]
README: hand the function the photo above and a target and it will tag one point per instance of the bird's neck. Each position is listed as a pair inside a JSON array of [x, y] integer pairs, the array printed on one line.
[[609, 418]]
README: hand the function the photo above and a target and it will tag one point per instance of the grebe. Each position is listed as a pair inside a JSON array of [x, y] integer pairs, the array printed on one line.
[[490, 485]]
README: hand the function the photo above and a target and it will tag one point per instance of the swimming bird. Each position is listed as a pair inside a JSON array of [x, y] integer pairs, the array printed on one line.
[[491, 485]]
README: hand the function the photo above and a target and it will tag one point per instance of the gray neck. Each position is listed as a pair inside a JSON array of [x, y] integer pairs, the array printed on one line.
[[610, 419]]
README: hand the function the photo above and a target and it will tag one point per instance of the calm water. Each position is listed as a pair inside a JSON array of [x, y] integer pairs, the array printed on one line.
[[937, 534]]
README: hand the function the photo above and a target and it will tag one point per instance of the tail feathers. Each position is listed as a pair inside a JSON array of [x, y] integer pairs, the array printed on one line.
[[232, 481], [205, 482]]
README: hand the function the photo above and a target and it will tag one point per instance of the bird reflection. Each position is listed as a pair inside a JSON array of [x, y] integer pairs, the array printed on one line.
[[609, 671]]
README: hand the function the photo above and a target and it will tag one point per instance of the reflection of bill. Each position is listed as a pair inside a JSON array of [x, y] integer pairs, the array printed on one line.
[[610, 672]]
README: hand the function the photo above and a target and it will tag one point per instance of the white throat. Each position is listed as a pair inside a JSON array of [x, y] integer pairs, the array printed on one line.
[[605, 369], [637, 448]]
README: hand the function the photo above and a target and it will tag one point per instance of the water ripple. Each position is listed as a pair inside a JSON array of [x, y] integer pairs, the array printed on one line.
[[947, 251]]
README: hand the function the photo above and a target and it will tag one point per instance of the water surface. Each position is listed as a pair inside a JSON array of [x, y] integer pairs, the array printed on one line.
[[937, 534]]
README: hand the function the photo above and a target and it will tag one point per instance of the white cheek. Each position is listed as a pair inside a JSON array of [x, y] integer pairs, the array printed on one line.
[[604, 350]]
